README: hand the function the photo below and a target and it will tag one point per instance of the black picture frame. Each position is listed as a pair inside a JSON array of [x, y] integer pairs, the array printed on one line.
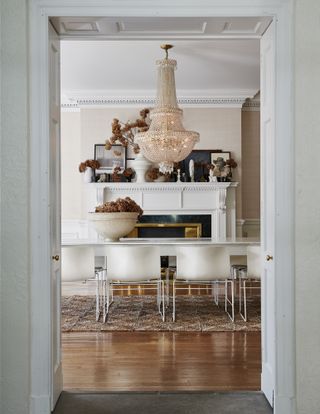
[[201, 158]]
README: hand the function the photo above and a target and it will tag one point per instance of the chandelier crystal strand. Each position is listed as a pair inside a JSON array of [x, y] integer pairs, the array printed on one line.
[[166, 141]]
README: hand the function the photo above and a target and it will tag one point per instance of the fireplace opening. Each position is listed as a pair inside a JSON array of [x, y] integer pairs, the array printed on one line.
[[173, 226]]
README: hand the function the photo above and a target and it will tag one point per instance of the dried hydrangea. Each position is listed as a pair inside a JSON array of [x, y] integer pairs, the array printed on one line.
[[124, 133], [94, 164], [120, 205]]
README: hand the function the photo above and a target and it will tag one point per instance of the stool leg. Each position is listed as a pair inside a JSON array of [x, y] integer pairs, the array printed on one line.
[[163, 303], [240, 295], [168, 287], [245, 301], [174, 301], [232, 298], [97, 295], [226, 295], [244, 288]]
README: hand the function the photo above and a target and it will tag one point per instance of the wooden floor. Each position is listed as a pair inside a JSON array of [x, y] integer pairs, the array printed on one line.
[[161, 361]]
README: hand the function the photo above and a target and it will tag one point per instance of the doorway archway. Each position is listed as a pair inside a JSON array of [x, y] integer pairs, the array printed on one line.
[[41, 341]]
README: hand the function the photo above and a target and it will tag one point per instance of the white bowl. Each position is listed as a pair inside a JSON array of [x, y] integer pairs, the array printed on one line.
[[112, 226]]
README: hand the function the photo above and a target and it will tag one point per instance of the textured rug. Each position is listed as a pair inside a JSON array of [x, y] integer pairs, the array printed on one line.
[[139, 313]]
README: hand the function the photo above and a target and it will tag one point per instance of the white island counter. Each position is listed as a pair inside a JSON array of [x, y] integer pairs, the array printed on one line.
[[236, 246]]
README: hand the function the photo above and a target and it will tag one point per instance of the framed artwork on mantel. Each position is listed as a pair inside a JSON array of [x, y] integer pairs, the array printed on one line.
[[201, 158], [109, 159]]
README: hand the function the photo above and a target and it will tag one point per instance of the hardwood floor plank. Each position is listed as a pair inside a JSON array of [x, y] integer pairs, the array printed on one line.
[[161, 361]]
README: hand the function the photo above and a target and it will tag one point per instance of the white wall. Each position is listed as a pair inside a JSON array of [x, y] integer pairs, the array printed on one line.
[[15, 188], [307, 141], [71, 180], [250, 149], [219, 129]]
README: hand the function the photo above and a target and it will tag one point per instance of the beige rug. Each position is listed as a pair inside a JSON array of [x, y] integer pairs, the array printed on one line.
[[139, 313]]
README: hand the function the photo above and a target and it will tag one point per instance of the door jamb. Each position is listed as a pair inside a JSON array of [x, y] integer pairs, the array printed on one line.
[[39, 12]]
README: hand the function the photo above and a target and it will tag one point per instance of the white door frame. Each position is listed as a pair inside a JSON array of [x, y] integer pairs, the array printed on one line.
[[282, 11]]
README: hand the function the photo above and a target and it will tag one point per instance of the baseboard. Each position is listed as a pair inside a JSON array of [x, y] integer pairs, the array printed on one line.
[[239, 229], [40, 404], [251, 228]]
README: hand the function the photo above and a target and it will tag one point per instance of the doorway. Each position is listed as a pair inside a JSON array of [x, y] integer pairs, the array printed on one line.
[[40, 193], [220, 125]]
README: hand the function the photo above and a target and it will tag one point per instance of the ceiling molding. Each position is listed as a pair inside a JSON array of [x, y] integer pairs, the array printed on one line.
[[234, 99], [160, 27], [70, 108], [252, 104]]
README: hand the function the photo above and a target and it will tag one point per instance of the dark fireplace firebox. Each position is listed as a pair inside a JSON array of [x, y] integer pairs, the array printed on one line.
[[173, 226]]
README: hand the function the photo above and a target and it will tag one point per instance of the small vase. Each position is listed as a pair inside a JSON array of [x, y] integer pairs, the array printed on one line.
[[141, 166], [160, 179], [88, 175]]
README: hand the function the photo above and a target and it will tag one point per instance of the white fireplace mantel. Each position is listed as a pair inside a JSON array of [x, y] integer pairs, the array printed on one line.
[[217, 199]]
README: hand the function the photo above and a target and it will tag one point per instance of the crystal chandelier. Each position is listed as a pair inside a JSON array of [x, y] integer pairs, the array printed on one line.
[[166, 141]]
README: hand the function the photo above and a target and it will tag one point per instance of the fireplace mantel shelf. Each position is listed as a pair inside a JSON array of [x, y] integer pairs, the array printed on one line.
[[163, 186], [217, 199]]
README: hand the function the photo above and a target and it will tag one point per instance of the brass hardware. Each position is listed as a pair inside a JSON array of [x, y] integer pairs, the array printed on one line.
[[191, 230], [268, 258], [166, 48], [56, 257]]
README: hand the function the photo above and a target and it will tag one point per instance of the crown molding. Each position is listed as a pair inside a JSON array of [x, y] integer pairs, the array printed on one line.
[[205, 99], [70, 107], [252, 104]]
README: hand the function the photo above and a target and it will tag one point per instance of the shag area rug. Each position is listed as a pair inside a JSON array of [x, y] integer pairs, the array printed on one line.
[[139, 313]]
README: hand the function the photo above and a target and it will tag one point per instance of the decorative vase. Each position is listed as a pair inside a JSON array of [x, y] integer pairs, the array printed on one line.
[[112, 226], [88, 175], [160, 179], [141, 166]]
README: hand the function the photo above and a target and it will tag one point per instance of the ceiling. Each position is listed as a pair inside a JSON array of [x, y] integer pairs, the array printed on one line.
[[160, 27], [112, 60]]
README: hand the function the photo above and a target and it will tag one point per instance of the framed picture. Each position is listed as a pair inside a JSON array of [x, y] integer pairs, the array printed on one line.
[[201, 158], [226, 155], [115, 157]]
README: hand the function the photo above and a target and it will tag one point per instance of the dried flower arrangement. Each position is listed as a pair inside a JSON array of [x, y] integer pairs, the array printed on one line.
[[153, 173], [129, 173], [231, 162], [116, 175], [222, 168], [94, 164], [119, 206], [124, 133]]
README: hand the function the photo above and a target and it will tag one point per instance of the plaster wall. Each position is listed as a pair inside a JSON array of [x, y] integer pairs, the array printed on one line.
[[15, 252], [250, 150], [307, 215], [71, 179]]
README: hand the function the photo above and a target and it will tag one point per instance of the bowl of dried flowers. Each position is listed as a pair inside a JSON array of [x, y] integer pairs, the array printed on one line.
[[115, 219]]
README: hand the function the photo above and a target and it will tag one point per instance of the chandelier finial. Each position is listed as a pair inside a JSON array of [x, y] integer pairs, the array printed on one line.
[[166, 47]]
